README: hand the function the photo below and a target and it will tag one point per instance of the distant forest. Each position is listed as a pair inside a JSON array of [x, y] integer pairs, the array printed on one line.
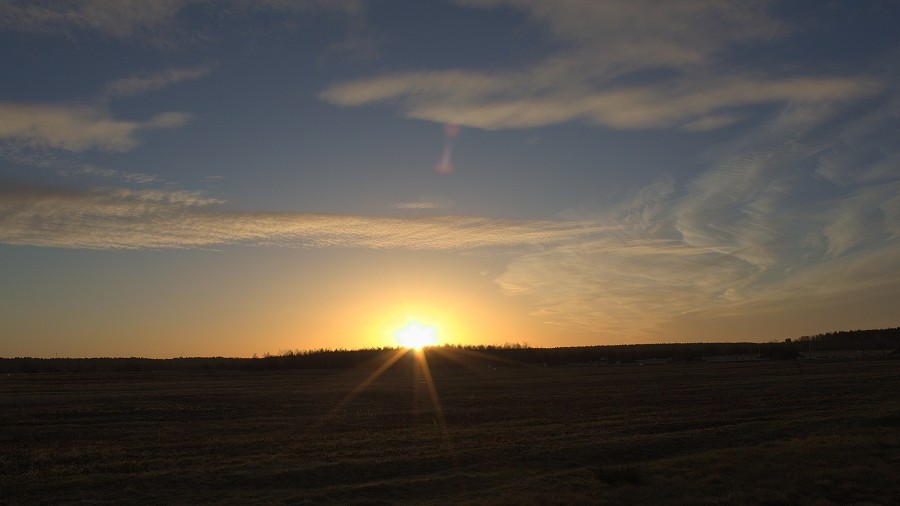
[[885, 342]]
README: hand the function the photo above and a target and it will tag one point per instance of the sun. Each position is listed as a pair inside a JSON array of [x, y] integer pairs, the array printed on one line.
[[416, 335]]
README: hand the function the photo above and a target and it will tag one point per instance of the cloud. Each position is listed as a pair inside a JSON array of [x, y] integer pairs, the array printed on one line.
[[117, 218], [345, 6], [596, 77], [862, 218], [495, 102], [759, 233], [632, 281], [158, 22], [623, 35], [130, 177], [427, 202], [136, 85], [626, 280], [76, 127], [415, 205], [168, 120], [871, 136], [117, 18]]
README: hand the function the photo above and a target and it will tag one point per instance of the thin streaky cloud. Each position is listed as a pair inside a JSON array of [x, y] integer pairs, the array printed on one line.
[[741, 238], [136, 85], [493, 102], [619, 36], [117, 18], [602, 42], [118, 218], [157, 22], [415, 205], [130, 177]]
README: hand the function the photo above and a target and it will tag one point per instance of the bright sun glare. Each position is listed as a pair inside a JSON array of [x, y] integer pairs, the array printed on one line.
[[416, 335]]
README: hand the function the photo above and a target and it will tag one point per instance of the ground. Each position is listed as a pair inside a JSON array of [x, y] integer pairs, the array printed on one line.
[[740, 433]]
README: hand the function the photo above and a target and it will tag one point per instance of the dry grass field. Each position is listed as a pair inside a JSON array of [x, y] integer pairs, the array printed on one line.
[[742, 433]]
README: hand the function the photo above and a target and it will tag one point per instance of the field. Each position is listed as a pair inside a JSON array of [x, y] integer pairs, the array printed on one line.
[[740, 433]]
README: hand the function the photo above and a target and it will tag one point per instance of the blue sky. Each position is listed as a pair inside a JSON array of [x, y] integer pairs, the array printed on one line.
[[198, 177]]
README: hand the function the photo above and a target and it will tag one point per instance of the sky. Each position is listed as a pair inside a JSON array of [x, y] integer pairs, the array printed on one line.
[[237, 177]]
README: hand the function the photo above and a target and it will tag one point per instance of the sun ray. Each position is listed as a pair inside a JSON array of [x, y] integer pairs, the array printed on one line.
[[365, 383], [422, 363], [453, 353]]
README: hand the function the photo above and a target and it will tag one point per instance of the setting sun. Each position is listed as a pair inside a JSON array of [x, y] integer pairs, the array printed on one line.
[[416, 335]]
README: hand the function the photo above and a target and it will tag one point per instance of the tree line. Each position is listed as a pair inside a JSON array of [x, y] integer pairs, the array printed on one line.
[[472, 356]]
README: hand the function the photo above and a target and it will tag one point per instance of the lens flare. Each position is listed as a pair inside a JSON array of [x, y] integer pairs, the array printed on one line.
[[445, 165]]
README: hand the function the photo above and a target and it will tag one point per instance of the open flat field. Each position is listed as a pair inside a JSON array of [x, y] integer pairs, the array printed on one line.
[[742, 433]]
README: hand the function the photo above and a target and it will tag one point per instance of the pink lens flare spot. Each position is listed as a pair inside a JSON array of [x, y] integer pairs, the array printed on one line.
[[451, 130], [444, 167]]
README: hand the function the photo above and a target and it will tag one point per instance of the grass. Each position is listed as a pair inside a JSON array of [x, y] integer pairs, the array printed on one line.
[[744, 433]]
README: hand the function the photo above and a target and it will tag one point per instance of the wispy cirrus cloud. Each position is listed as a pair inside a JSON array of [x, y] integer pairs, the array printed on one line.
[[417, 205], [136, 85], [620, 36], [157, 22], [130, 177], [596, 74], [118, 218], [496, 102], [759, 233], [117, 18], [775, 216], [635, 285], [425, 203]]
